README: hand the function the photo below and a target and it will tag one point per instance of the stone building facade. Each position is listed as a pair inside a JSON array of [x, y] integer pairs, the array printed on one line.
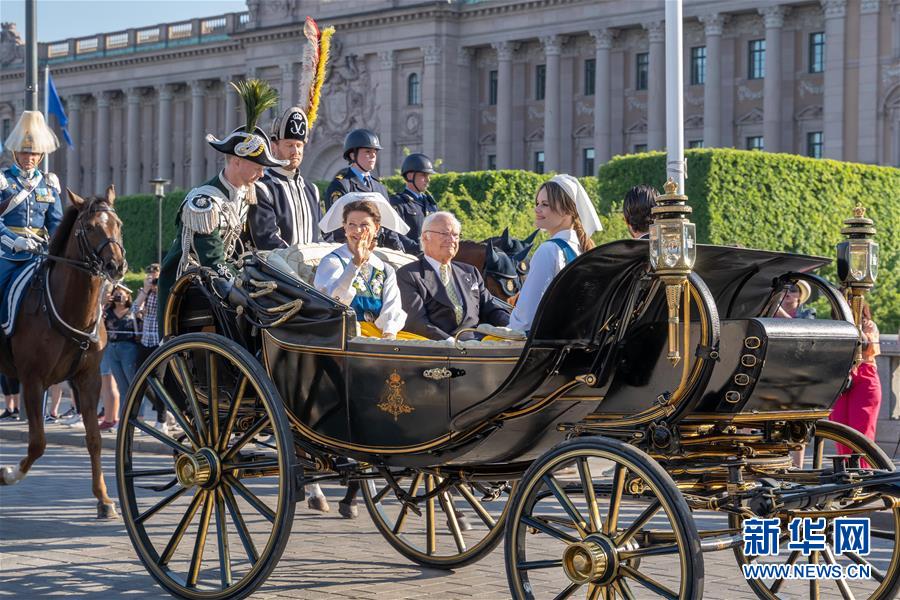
[[536, 84]]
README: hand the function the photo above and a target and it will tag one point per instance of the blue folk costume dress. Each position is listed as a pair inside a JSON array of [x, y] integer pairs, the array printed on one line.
[[30, 207]]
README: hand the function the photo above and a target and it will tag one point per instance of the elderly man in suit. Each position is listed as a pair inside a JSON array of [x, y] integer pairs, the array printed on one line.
[[441, 297]]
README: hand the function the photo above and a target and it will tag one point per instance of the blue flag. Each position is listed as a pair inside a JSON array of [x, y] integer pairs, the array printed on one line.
[[55, 107]]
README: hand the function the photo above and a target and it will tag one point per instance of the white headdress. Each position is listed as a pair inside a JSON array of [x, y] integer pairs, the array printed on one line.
[[31, 134], [334, 218], [586, 211]]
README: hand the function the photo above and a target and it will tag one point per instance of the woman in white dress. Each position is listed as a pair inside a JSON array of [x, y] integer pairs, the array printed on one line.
[[353, 275], [562, 209]]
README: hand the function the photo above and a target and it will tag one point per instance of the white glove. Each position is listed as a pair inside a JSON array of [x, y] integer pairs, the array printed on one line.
[[25, 244]]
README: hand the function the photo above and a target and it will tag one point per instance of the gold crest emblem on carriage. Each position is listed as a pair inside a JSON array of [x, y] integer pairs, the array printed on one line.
[[392, 401]]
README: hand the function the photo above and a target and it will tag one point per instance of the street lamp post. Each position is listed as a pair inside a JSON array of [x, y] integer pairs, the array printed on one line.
[[857, 264], [159, 190]]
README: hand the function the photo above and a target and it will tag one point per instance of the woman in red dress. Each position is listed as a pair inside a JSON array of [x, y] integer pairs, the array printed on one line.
[[858, 406]]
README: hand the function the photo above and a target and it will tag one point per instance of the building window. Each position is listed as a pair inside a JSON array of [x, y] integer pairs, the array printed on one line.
[[539, 161], [590, 72], [540, 81], [638, 148], [698, 65], [413, 97], [755, 142], [642, 62], [6, 127], [756, 64], [492, 88], [492, 162], [695, 143], [817, 52], [814, 144], [587, 162]]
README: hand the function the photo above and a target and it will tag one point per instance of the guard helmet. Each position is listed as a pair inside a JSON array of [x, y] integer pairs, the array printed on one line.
[[417, 163], [360, 138]]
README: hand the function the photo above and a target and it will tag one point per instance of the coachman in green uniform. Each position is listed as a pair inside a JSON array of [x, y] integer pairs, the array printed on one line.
[[212, 216]]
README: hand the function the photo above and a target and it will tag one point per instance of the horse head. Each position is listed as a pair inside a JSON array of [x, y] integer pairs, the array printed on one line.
[[97, 232]]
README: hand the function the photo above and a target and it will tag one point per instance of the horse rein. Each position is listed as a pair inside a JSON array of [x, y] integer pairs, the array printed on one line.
[[92, 265]]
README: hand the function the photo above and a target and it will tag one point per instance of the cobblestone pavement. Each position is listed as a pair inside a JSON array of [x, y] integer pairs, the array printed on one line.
[[51, 545]]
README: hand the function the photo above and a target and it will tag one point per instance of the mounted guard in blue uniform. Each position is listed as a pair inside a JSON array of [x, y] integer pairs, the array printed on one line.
[[30, 208]]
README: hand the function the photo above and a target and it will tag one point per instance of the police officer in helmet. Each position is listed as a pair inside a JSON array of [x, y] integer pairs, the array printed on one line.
[[361, 148], [414, 203]]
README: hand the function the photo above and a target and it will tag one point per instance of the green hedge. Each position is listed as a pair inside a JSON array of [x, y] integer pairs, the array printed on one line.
[[779, 202], [753, 199]]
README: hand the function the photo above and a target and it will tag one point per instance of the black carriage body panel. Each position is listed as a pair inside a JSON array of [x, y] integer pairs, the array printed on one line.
[[780, 364]]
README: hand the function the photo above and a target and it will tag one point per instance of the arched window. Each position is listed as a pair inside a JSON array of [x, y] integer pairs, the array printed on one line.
[[413, 97]]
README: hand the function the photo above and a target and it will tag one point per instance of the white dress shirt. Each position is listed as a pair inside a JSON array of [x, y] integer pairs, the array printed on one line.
[[547, 261], [336, 280]]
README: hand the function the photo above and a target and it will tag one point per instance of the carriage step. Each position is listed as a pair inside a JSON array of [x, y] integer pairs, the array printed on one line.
[[299, 479]]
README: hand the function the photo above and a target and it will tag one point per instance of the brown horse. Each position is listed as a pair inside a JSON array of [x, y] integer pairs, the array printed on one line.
[[501, 260], [60, 333]]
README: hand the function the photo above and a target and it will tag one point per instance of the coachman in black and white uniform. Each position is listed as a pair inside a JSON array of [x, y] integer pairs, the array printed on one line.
[[287, 212]]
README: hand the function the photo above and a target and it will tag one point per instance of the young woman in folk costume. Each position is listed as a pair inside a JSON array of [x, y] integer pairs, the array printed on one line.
[[212, 215], [563, 209]]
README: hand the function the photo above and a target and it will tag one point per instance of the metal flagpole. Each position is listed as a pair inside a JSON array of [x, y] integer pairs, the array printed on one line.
[[47, 111], [31, 54], [675, 165]]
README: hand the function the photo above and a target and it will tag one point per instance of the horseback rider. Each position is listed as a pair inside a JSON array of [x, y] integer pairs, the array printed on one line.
[[414, 203], [30, 205], [213, 215], [287, 209], [361, 148]]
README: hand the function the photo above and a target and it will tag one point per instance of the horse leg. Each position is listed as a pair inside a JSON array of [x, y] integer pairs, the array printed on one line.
[[31, 398], [86, 388]]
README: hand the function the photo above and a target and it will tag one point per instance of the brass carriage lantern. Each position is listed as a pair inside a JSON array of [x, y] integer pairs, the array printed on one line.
[[857, 263], [673, 250]]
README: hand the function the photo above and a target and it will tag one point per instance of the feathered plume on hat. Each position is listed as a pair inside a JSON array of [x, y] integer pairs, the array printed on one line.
[[297, 121], [31, 134], [249, 141]]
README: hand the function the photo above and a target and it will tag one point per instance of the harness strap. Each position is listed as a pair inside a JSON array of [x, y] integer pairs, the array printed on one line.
[[82, 338]]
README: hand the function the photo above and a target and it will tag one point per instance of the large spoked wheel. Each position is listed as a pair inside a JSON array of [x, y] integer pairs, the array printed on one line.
[[599, 518], [438, 521], [228, 485], [884, 558]]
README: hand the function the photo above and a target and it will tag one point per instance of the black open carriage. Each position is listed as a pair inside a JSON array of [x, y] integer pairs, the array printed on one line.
[[609, 470]]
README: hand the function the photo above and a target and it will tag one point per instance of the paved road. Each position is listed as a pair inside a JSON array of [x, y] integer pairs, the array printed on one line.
[[51, 545]]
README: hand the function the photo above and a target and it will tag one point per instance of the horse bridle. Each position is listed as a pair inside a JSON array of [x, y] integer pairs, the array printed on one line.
[[92, 261]]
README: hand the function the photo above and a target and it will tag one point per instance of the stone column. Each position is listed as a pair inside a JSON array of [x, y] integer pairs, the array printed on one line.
[[833, 110], [101, 143], [231, 101], [867, 113], [432, 102], [288, 86], [552, 134], [385, 102], [656, 86], [603, 40], [73, 154], [198, 166], [164, 131], [895, 16], [504, 104], [773, 17], [132, 144], [712, 88], [462, 150]]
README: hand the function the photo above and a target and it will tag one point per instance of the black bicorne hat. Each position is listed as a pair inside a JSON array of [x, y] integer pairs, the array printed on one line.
[[292, 124], [253, 146]]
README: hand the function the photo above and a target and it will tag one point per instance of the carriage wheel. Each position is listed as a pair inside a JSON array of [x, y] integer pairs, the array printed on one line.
[[884, 559], [430, 528], [583, 521], [228, 484]]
